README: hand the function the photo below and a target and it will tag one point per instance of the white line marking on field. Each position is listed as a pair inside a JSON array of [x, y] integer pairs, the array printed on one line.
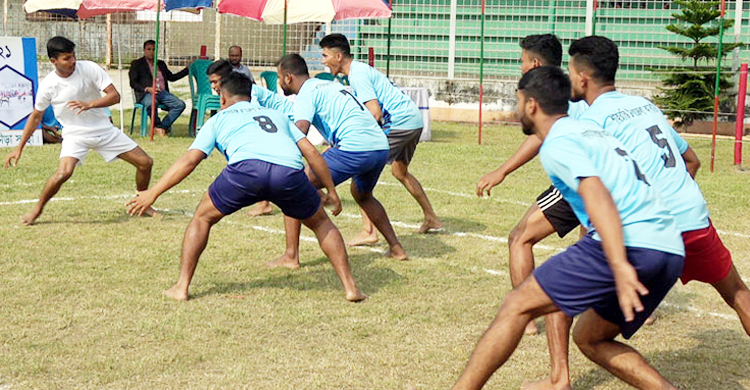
[[733, 234], [394, 223], [494, 272], [460, 194], [457, 234]]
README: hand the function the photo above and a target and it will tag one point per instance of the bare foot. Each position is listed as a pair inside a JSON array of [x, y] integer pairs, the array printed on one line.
[[650, 320], [161, 132], [397, 253], [355, 296], [428, 225], [285, 262], [363, 238], [531, 328], [176, 293], [545, 384], [261, 208], [29, 218], [151, 212]]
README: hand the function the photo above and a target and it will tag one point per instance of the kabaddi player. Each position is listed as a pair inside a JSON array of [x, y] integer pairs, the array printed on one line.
[[264, 154], [359, 149], [616, 275], [397, 114], [73, 90], [550, 213]]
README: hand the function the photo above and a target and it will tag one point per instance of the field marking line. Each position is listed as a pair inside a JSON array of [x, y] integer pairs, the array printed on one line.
[[394, 223]]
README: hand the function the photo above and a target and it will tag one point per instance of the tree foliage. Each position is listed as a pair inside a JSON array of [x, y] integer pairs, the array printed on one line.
[[689, 90]]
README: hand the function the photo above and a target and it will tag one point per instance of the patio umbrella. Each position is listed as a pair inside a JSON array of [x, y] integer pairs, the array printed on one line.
[[297, 11]]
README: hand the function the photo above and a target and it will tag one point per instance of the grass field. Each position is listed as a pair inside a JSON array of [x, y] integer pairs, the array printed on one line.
[[81, 303]]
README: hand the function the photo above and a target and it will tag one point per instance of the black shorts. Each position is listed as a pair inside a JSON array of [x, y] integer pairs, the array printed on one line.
[[402, 144], [557, 211]]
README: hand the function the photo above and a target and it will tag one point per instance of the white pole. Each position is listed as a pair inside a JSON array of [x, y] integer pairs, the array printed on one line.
[[452, 41], [328, 28], [217, 35], [108, 55], [589, 17], [5, 16], [122, 86], [737, 33]]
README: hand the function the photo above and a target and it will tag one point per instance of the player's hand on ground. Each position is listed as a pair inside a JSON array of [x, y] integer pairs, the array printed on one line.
[[12, 159], [141, 203], [78, 106], [335, 202], [488, 181], [629, 290]]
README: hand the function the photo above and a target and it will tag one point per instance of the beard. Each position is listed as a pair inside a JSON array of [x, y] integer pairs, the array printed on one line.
[[286, 89], [576, 96], [526, 126]]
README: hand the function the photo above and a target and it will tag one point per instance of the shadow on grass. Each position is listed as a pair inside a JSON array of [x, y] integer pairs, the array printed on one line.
[[425, 245], [718, 362], [369, 279], [451, 224]]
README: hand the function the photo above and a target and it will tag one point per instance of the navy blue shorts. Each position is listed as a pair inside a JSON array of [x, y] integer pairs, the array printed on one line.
[[580, 278], [250, 181], [363, 167]]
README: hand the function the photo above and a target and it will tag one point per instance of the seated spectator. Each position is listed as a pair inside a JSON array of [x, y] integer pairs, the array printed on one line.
[[141, 80], [235, 58]]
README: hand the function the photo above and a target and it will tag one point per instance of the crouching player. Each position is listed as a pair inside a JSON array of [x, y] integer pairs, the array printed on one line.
[[616, 275], [264, 154]]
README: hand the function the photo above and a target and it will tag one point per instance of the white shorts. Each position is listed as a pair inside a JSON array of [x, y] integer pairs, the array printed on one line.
[[109, 146]]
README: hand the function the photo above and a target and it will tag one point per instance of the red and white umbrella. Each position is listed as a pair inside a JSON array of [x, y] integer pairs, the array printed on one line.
[[89, 8], [298, 11]]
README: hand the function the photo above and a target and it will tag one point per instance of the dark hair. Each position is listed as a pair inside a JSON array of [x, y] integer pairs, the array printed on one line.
[[598, 55], [149, 42], [58, 45], [336, 41], [549, 86], [545, 46], [236, 84], [294, 64], [221, 67]]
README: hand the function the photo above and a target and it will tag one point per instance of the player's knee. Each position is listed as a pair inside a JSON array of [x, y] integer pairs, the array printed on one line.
[[147, 164], [63, 174], [514, 238], [399, 174], [180, 105]]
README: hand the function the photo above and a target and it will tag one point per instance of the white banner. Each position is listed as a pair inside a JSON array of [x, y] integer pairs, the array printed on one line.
[[11, 138]]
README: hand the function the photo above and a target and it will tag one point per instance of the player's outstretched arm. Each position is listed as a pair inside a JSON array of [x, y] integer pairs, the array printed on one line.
[[603, 214], [320, 168], [31, 124], [692, 161], [525, 153], [111, 97], [174, 175]]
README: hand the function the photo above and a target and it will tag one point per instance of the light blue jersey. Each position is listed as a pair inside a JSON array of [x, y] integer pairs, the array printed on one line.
[[262, 97], [243, 132], [342, 119], [576, 109], [369, 84], [657, 148], [575, 149]]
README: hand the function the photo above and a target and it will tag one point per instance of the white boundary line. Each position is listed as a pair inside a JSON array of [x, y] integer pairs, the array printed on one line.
[[395, 223]]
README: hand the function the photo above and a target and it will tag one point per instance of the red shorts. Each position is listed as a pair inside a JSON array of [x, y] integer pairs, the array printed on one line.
[[706, 258]]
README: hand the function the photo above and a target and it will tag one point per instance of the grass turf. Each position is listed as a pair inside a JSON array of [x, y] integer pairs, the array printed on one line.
[[81, 291]]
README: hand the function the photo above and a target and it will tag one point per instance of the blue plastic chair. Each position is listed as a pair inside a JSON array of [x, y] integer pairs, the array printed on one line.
[[144, 115], [271, 79], [201, 94]]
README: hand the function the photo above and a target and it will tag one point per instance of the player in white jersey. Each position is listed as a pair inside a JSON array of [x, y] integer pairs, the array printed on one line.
[[73, 90]]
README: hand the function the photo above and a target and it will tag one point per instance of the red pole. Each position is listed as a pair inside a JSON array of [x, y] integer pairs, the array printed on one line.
[[371, 56], [740, 124]]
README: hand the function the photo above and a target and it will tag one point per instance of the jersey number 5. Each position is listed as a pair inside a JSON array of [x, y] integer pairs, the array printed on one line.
[[266, 124], [669, 161]]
